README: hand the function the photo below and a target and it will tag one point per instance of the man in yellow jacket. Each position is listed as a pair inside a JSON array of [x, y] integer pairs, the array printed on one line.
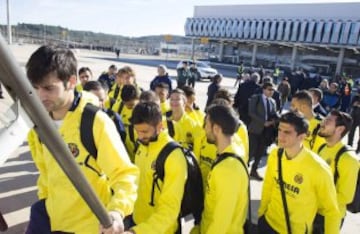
[[302, 102], [226, 195], [52, 72], [307, 182], [179, 124], [206, 152], [333, 128], [160, 214]]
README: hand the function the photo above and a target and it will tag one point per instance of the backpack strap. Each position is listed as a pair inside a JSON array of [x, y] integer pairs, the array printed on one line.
[[314, 135], [132, 137], [221, 158], [283, 195], [86, 128], [121, 107], [171, 128], [159, 166], [321, 148], [342, 150]]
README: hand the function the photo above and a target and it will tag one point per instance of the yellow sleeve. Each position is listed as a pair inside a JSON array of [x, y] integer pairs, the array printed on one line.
[[169, 202], [328, 207], [36, 153], [348, 168], [226, 193], [198, 139], [244, 136], [268, 184], [114, 161]]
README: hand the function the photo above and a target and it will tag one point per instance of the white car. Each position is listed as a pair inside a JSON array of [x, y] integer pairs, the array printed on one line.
[[204, 69]]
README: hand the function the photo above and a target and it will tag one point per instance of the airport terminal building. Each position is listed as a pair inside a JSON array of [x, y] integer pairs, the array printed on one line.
[[317, 37]]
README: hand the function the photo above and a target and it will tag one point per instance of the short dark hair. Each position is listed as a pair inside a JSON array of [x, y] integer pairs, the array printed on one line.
[[225, 94], [178, 91], [304, 97], [84, 69], [162, 85], [148, 96], [220, 101], [189, 91], [297, 120], [217, 78], [113, 66], [267, 85], [342, 119], [129, 92], [146, 112], [93, 85], [225, 117], [50, 59], [317, 92]]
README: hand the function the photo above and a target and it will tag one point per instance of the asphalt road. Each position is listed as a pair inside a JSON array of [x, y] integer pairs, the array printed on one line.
[[18, 175]]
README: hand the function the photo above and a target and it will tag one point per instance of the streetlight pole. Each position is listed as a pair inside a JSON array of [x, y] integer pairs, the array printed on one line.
[[8, 22]]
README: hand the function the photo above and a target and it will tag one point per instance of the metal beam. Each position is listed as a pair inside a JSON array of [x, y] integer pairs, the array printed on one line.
[[8, 22], [340, 61]]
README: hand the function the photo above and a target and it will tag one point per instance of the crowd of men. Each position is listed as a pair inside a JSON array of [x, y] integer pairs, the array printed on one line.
[[143, 191]]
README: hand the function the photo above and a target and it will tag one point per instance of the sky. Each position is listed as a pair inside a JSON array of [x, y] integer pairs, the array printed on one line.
[[120, 17]]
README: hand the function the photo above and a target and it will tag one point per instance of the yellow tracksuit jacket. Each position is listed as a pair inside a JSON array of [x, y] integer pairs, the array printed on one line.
[[308, 186], [206, 153], [162, 217], [196, 115], [111, 175], [185, 130], [348, 167], [226, 197], [165, 107]]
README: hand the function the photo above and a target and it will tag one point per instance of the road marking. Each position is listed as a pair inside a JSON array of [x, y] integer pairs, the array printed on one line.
[[17, 191], [17, 217], [16, 174]]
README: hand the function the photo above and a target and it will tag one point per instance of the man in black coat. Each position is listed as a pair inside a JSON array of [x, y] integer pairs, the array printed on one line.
[[245, 91], [317, 96], [262, 111]]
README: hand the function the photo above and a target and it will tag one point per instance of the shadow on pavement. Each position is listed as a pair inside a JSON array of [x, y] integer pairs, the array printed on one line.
[[17, 229]]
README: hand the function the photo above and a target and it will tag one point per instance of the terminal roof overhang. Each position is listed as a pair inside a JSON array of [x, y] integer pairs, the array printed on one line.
[[335, 25]]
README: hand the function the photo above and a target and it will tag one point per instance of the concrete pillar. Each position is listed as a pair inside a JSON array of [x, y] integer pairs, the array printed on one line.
[[340, 61], [253, 58], [8, 22], [293, 57], [193, 49], [239, 54], [221, 51]]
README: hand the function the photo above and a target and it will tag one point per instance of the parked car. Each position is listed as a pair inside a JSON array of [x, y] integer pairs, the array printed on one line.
[[204, 69]]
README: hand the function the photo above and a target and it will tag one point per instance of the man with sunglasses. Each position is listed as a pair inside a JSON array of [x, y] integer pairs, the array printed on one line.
[[262, 111]]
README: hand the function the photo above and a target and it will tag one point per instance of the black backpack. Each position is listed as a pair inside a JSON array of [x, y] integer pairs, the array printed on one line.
[[354, 206], [193, 199], [86, 129]]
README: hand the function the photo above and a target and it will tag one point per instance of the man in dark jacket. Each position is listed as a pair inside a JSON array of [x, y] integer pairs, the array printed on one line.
[[183, 74], [162, 77], [262, 111], [245, 91], [355, 114], [108, 78], [317, 96]]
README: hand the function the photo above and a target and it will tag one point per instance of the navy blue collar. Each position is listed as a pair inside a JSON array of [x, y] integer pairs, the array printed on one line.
[[77, 97]]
